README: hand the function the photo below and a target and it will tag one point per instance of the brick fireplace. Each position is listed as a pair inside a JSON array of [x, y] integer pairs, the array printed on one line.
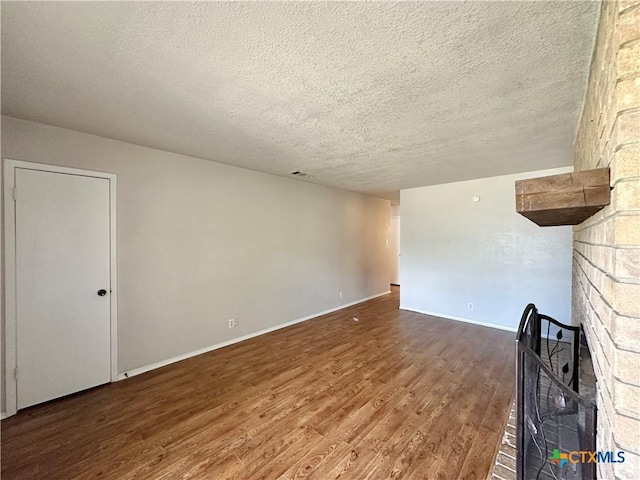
[[606, 255]]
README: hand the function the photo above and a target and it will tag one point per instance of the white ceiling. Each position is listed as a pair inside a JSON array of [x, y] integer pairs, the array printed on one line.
[[370, 97]]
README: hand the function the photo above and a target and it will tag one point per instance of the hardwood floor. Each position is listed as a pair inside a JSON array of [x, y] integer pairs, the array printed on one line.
[[395, 395]]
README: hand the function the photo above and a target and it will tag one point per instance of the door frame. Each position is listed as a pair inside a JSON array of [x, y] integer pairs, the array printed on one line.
[[397, 234], [10, 343]]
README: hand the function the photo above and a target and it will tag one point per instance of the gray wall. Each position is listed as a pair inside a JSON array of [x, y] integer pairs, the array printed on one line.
[[456, 252], [201, 242]]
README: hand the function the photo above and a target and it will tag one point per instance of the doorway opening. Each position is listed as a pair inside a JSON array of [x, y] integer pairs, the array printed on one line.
[[394, 245]]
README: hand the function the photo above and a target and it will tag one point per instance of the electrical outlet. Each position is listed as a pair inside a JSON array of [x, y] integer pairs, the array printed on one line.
[[232, 322], [236, 322], [470, 306], [340, 293]]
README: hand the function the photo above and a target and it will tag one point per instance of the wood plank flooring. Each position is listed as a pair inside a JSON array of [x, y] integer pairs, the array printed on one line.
[[395, 395]]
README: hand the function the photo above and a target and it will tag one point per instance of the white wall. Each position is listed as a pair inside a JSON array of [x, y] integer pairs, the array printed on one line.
[[201, 242], [456, 252]]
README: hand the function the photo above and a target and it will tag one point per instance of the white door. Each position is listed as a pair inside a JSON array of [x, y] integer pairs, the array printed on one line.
[[394, 250], [62, 262]]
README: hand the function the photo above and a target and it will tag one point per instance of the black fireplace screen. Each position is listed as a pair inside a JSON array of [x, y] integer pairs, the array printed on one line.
[[553, 420]]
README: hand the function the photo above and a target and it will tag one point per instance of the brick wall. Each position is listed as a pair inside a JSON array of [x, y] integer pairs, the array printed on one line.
[[606, 256]]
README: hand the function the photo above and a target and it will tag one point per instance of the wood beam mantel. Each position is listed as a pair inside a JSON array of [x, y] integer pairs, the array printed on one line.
[[565, 199]]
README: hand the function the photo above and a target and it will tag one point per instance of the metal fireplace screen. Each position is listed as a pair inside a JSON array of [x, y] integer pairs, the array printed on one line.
[[553, 419]]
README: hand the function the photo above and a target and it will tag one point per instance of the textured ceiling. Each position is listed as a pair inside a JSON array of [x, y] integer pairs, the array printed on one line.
[[370, 97]]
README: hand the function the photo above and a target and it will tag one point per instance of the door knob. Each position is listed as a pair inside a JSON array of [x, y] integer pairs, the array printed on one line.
[[102, 292]]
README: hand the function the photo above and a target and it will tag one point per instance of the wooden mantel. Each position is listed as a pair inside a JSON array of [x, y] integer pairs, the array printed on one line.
[[565, 199]]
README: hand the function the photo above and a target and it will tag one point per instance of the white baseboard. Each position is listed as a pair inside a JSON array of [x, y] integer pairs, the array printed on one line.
[[466, 320], [163, 363]]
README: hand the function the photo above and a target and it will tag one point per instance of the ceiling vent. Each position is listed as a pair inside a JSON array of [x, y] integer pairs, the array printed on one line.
[[298, 173]]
